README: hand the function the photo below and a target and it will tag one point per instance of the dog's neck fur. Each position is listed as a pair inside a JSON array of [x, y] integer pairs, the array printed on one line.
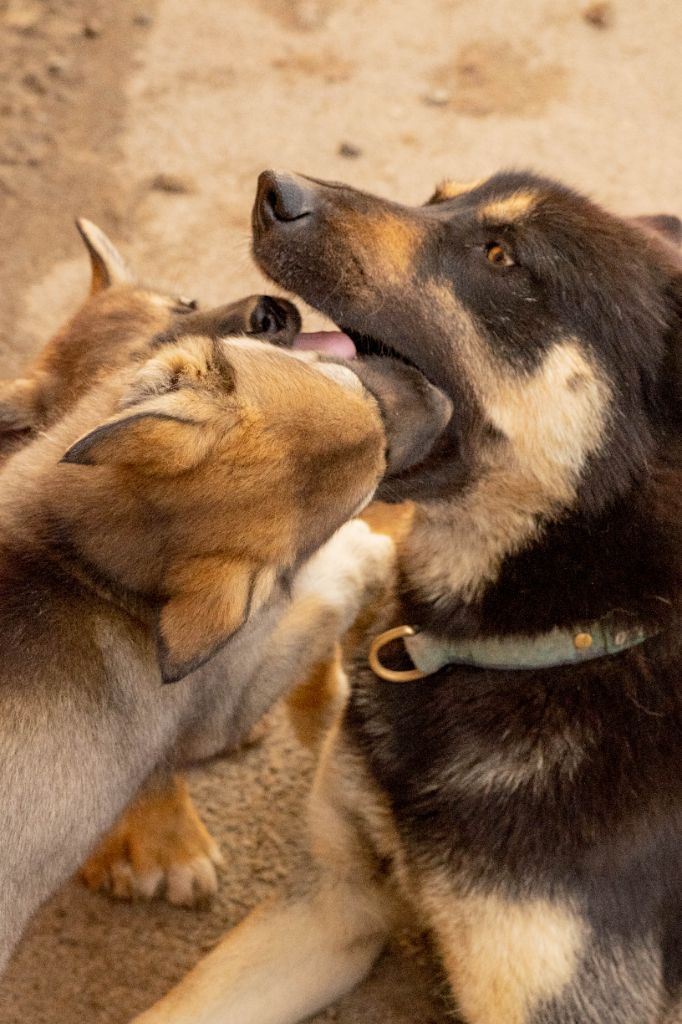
[[496, 560]]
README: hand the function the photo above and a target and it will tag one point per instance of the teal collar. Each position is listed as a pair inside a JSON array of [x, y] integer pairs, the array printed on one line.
[[546, 650]]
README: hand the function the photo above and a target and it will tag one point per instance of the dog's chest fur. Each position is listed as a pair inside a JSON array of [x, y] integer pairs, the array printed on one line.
[[517, 781]]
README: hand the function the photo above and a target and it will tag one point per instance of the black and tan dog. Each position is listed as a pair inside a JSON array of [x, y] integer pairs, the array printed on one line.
[[517, 778], [171, 511]]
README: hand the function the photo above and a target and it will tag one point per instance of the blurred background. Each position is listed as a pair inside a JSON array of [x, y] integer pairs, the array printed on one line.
[[153, 119]]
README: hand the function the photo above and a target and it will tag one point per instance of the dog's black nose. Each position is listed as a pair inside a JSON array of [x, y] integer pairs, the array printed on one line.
[[277, 319], [283, 198]]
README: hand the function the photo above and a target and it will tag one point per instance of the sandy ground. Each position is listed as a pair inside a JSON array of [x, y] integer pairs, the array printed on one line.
[[154, 119]]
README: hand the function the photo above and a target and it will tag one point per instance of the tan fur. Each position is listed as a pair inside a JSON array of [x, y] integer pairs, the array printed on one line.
[[449, 189], [159, 844], [503, 958], [313, 705], [511, 208], [387, 245], [551, 421]]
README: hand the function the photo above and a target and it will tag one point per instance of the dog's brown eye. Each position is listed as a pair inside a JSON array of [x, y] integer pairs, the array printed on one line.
[[497, 256]]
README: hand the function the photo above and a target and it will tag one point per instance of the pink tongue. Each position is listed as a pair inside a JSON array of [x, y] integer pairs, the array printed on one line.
[[331, 343]]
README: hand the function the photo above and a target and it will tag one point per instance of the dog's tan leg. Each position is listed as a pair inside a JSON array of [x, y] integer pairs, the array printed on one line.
[[504, 958], [160, 844], [314, 704], [290, 959], [284, 962]]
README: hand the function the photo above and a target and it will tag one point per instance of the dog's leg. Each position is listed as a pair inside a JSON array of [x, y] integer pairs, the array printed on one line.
[[160, 844], [284, 962], [288, 960], [329, 593], [538, 961], [314, 704], [504, 959]]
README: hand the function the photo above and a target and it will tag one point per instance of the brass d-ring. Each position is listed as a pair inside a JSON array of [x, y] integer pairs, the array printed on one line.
[[407, 675]]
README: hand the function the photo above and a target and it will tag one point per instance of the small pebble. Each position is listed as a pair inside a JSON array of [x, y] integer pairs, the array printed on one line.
[[173, 183], [91, 28], [349, 151], [56, 65], [32, 82], [599, 15], [437, 98]]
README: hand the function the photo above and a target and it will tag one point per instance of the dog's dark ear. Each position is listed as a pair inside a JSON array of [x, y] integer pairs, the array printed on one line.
[[18, 404], [665, 224], [107, 265], [671, 370], [211, 598], [151, 441]]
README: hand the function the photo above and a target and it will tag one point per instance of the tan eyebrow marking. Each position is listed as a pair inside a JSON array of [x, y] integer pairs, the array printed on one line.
[[450, 189], [509, 208]]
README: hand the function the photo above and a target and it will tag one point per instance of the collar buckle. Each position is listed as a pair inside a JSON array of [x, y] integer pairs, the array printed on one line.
[[389, 674]]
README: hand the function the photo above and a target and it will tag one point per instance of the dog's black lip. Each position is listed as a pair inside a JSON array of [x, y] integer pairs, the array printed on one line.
[[368, 345]]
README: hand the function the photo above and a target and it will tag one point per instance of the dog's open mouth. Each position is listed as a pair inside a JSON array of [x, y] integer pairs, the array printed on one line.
[[348, 344]]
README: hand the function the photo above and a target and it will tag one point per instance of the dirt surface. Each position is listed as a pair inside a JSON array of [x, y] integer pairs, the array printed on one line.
[[154, 120]]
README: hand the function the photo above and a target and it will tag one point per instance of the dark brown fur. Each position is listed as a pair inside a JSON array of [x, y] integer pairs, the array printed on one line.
[[533, 818], [555, 793]]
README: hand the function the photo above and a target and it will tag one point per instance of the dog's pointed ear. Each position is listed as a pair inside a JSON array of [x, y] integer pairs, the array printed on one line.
[[18, 404], [665, 224], [106, 263], [211, 598], [167, 411], [150, 440], [671, 371]]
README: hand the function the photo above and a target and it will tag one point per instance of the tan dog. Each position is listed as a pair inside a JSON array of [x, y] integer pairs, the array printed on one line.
[[112, 329], [170, 514]]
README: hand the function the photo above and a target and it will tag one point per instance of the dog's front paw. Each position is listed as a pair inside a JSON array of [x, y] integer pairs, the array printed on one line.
[[351, 569], [159, 846]]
